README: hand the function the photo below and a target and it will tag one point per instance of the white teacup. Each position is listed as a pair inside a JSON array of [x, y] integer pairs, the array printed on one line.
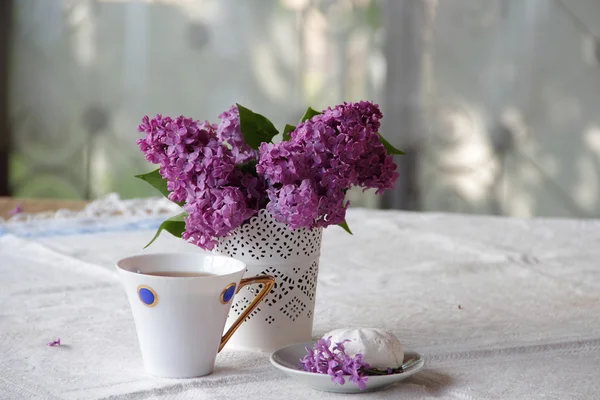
[[180, 318]]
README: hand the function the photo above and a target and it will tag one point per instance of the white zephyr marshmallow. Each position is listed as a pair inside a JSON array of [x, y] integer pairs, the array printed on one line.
[[380, 348]]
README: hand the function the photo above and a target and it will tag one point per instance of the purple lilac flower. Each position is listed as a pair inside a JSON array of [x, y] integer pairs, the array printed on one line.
[[152, 144], [17, 210], [214, 213], [362, 157], [229, 131], [54, 342], [200, 171], [184, 149], [335, 151], [323, 359], [287, 167], [285, 162], [297, 205]]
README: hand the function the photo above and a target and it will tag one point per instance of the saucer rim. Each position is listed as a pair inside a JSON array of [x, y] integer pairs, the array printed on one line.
[[392, 377]]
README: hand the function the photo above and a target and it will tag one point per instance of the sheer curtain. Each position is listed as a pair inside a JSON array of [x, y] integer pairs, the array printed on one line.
[[85, 72], [495, 100]]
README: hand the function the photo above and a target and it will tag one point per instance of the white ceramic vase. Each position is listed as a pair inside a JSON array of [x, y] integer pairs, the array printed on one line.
[[292, 257]]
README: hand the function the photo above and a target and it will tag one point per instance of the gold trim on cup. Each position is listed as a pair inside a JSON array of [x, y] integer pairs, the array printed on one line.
[[151, 291], [222, 298], [267, 281]]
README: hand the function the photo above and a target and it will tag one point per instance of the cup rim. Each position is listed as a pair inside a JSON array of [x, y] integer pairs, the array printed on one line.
[[241, 265]]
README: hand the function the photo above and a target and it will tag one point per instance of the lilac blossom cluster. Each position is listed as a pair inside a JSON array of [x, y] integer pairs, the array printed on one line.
[[309, 175], [222, 182], [325, 359], [201, 172]]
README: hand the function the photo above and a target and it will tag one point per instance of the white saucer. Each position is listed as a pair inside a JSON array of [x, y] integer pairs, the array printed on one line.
[[287, 359]]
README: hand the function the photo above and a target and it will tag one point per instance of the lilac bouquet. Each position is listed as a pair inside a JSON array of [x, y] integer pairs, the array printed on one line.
[[223, 174]]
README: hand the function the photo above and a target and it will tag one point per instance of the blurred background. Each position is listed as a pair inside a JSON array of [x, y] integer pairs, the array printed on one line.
[[496, 101]]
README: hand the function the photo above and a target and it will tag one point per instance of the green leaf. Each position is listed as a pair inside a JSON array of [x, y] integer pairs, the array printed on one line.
[[310, 112], [158, 182], [346, 227], [174, 225], [388, 146], [255, 128], [286, 132]]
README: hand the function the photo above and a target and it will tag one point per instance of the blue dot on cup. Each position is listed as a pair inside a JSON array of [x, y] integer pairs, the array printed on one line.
[[147, 296], [228, 293]]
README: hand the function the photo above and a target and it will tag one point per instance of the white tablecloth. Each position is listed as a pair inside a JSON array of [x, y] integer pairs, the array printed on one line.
[[501, 309]]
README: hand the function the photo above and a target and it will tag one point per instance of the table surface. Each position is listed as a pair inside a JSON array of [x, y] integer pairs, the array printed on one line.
[[501, 308], [8, 204]]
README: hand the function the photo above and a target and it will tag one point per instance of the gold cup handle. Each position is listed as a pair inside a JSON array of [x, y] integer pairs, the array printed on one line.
[[268, 281]]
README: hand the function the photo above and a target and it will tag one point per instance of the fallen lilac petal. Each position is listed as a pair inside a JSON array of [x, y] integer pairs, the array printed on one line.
[[54, 342], [17, 210]]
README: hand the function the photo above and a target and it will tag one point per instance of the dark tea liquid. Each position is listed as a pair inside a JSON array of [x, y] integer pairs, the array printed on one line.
[[180, 274]]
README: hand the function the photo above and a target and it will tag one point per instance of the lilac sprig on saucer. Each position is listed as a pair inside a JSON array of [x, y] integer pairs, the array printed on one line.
[[369, 358], [324, 359]]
